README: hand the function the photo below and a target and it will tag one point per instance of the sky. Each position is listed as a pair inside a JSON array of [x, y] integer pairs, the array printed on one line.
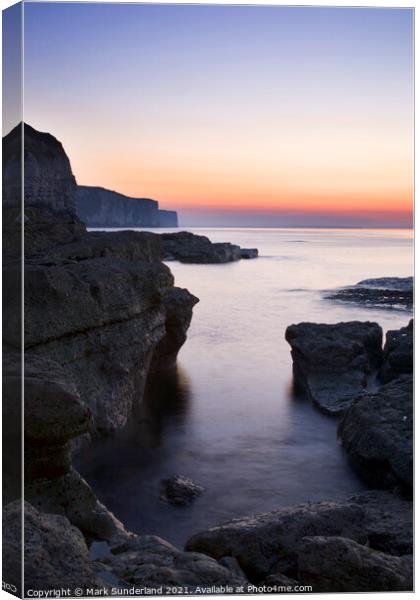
[[232, 115]]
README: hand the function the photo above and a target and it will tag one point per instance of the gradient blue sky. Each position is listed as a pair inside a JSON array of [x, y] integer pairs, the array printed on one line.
[[269, 115]]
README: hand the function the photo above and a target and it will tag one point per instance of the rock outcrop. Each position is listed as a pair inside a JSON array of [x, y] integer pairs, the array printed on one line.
[[249, 252], [190, 248], [101, 312], [398, 353], [332, 363], [337, 564], [377, 434], [271, 545], [99, 207], [383, 292]]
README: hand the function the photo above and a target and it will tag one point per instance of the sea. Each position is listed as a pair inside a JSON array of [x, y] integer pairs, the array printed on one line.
[[229, 417]]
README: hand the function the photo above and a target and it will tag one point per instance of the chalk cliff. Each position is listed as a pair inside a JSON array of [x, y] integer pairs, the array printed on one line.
[[99, 207]]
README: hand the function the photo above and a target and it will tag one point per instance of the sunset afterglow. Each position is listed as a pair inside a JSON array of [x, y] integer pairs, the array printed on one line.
[[299, 116]]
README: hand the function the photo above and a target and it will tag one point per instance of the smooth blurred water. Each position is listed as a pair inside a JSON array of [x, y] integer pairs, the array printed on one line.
[[229, 419]]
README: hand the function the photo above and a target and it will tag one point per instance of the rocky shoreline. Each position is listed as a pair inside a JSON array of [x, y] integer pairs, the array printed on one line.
[[102, 315], [363, 543]]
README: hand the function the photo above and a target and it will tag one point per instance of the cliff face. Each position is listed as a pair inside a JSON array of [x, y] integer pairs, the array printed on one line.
[[98, 207], [100, 310], [168, 218], [49, 181]]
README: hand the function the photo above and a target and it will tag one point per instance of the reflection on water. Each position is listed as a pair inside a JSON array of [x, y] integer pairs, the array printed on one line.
[[229, 417]]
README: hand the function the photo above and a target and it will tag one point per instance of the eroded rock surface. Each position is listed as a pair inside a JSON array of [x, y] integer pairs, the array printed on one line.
[[337, 564], [55, 552], [377, 434], [259, 542], [150, 561], [269, 543], [332, 363]]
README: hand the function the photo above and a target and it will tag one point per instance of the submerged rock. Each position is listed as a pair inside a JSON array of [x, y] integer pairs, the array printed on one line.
[[331, 363], [337, 564], [181, 491], [377, 434], [398, 353]]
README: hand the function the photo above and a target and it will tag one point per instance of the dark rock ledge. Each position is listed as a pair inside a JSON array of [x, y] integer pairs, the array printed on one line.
[[191, 248], [383, 292]]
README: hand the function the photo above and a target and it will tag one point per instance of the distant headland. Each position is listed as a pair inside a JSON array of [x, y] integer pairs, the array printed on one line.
[[95, 206]]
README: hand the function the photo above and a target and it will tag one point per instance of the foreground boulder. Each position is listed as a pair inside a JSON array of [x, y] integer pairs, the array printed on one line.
[[332, 363], [151, 561], [398, 353], [337, 564], [269, 543], [55, 552], [260, 542], [377, 434]]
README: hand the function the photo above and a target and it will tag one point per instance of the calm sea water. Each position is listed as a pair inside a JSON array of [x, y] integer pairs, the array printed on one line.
[[229, 419]]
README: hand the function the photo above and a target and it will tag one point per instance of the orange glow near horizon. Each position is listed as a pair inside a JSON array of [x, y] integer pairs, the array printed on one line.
[[285, 110]]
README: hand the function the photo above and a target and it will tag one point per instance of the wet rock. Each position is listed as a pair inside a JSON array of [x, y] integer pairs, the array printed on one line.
[[55, 552], [337, 564], [331, 363], [259, 542], [386, 292], [178, 306], [249, 252], [398, 353], [150, 561], [389, 283], [181, 491], [190, 248], [377, 434]]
